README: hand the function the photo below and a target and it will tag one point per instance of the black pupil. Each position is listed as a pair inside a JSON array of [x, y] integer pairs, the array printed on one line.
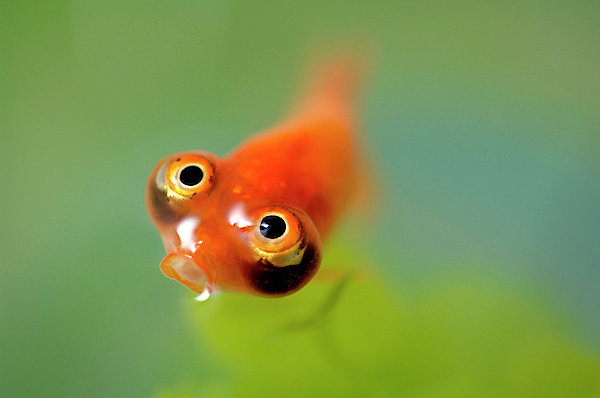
[[191, 175], [272, 227]]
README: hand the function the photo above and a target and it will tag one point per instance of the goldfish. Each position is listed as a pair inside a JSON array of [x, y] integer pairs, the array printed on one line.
[[254, 221]]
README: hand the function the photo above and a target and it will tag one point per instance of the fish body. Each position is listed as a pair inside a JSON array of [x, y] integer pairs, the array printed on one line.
[[254, 221]]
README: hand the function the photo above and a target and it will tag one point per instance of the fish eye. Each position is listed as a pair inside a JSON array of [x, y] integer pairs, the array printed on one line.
[[190, 174], [272, 227], [277, 237], [284, 251]]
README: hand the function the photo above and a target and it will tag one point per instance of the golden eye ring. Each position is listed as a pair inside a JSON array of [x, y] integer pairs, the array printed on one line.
[[277, 237], [189, 174]]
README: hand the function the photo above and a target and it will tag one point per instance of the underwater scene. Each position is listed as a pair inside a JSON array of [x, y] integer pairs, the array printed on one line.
[[466, 262]]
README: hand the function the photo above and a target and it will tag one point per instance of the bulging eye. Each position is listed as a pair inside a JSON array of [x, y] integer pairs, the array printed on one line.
[[189, 174], [272, 226], [285, 250], [175, 180], [278, 238]]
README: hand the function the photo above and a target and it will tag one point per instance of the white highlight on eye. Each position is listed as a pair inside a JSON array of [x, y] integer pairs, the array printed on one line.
[[186, 230], [204, 295], [238, 216]]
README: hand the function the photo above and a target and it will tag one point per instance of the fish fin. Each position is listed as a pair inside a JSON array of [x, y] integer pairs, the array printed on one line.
[[334, 85], [320, 314], [335, 88]]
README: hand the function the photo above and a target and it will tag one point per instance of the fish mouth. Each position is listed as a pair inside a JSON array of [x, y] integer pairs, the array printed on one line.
[[183, 269]]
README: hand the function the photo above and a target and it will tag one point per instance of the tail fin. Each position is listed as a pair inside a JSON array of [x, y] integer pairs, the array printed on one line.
[[333, 91], [334, 87]]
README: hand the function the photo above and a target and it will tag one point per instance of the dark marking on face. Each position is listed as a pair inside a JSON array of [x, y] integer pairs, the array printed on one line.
[[160, 207], [269, 280]]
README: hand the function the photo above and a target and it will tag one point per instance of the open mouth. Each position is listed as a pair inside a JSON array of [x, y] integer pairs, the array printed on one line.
[[181, 268]]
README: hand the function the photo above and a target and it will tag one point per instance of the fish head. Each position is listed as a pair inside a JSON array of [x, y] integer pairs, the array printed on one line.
[[223, 233]]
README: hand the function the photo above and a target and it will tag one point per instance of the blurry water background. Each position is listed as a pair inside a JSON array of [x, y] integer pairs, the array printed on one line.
[[483, 118]]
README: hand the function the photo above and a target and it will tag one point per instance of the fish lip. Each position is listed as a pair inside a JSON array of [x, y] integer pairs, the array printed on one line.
[[182, 268]]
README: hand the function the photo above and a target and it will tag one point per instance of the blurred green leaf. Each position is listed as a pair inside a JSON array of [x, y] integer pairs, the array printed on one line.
[[457, 336]]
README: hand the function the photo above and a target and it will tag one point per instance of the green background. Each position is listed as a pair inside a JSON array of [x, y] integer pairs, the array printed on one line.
[[483, 121]]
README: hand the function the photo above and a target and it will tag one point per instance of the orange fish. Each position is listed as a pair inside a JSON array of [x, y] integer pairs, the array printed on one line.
[[254, 221]]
